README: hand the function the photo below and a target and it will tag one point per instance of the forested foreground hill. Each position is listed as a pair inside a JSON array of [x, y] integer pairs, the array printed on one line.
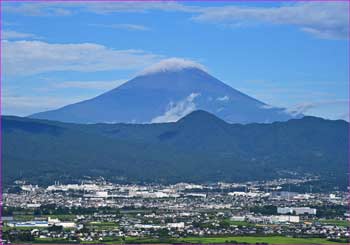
[[198, 148]]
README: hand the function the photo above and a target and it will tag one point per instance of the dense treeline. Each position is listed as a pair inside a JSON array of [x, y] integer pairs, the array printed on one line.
[[265, 210], [331, 211], [18, 236], [198, 148]]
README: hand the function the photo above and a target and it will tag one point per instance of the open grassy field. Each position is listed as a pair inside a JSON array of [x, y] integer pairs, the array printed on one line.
[[231, 239], [251, 239], [52, 240], [7, 228], [103, 225]]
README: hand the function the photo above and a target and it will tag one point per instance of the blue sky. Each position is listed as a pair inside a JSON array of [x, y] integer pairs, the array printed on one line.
[[292, 55]]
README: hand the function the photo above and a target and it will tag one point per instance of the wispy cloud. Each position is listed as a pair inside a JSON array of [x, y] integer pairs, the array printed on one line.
[[178, 110], [305, 107], [344, 116], [26, 105], [9, 23], [320, 19], [38, 9], [130, 27], [267, 106], [33, 57], [64, 8], [8, 34], [223, 98], [143, 7], [99, 85], [323, 20]]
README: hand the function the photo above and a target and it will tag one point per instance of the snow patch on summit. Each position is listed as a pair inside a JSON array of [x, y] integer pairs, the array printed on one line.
[[172, 64]]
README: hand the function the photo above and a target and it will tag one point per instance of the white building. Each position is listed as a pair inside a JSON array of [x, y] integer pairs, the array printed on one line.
[[285, 218], [273, 219], [297, 210], [29, 224], [147, 226], [146, 194], [57, 222], [244, 194], [179, 225], [102, 194], [203, 195], [238, 218], [33, 205]]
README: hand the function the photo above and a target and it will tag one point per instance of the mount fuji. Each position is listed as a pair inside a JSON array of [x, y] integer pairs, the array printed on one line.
[[166, 92]]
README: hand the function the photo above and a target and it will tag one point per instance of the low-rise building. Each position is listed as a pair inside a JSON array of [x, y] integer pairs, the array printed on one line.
[[296, 210]]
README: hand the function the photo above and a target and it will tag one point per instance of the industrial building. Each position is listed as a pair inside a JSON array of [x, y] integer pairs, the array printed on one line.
[[296, 210]]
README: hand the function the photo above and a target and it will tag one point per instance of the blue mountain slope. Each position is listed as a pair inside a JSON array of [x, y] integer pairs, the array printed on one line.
[[165, 95]]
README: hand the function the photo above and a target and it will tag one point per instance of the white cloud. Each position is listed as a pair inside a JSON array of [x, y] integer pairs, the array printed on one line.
[[172, 64], [38, 9], [320, 19], [305, 107], [33, 57], [9, 23], [100, 85], [324, 20], [17, 103], [344, 116], [326, 34], [62, 9], [266, 106], [17, 35], [130, 27], [26, 105], [178, 110], [107, 8], [223, 98]]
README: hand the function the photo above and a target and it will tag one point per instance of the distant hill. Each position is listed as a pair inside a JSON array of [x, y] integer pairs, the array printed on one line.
[[198, 148], [165, 93]]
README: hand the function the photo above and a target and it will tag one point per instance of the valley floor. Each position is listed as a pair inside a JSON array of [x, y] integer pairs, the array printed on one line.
[[209, 240]]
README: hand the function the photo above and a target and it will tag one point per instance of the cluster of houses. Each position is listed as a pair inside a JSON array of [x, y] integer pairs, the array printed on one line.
[[177, 210]]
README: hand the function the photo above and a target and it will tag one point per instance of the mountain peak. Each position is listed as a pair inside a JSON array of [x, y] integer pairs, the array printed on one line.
[[172, 65], [166, 92], [200, 116]]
